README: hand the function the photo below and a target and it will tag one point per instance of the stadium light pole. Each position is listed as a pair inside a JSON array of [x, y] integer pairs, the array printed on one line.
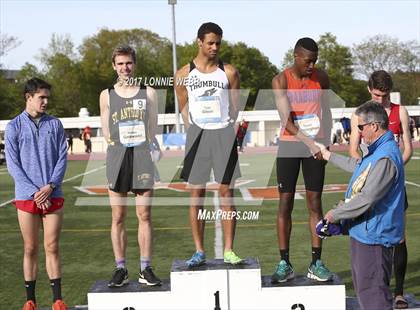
[[174, 65]]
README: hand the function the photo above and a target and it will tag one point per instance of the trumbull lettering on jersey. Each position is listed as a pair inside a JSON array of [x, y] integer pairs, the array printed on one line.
[[209, 83]]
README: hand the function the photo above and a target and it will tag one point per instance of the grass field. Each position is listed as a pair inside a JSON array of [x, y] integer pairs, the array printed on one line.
[[86, 247]]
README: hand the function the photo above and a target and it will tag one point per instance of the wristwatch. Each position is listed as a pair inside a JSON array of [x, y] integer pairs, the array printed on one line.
[[52, 185]]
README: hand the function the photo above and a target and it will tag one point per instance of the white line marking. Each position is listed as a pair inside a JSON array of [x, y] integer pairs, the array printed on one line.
[[85, 190], [99, 200], [83, 174], [163, 185], [415, 157], [6, 203], [218, 236], [239, 183], [65, 181], [298, 196], [218, 232], [412, 183], [244, 164], [246, 195]]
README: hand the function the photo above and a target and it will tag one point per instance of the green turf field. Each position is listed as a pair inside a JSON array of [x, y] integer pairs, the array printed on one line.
[[86, 247]]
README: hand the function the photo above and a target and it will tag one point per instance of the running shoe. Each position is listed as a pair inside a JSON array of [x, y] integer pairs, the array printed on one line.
[[284, 271], [148, 277], [319, 272], [119, 278], [198, 259]]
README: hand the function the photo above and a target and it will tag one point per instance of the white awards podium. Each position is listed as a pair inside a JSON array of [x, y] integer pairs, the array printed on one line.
[[219, 286]]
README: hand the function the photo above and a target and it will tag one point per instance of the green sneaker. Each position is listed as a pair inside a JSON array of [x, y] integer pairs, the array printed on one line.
[[319, 272], [231, 258], [284, 272]]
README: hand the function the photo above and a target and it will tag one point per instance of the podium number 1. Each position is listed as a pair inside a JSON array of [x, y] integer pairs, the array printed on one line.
[[217, 301]]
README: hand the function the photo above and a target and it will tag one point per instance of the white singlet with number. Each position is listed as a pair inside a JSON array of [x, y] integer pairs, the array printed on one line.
[[208, 99]]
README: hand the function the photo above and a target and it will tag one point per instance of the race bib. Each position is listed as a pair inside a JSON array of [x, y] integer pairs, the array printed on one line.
[[139, 104], [132, 133], [309, 124], [207, 110]]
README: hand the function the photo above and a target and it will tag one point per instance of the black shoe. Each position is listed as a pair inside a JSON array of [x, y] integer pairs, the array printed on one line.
[[119, 278], [148, 277]]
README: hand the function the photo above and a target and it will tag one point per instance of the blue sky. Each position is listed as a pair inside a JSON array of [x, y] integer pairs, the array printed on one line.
[[271, 26]]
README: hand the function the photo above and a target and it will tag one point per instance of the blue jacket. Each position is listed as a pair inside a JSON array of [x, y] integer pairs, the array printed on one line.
[[35, 155], [384, 222]]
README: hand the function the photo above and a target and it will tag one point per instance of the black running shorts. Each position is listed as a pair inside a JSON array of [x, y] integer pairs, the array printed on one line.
[[288, 171], [135, 171]]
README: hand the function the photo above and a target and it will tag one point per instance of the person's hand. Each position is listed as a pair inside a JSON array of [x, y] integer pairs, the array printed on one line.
[[324, 151], [316, 152], [155, 150], [326, 229], [44, 205], [321, 229], [43, 194], [329, 217], [318, 156]]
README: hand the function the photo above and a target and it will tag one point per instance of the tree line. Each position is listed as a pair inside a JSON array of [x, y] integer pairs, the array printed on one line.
[[79, 74]]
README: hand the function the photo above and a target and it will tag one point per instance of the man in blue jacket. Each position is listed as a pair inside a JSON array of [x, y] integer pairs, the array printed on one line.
[[36, 153], [374, 206]]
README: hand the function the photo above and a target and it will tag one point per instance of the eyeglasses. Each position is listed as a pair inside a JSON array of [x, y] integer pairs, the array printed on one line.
[[362, 126]]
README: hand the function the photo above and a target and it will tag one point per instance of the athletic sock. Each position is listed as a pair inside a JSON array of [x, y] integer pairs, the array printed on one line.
[[284, 255], [316, 254], [56, 288], [120, 263], [400, 267], [30, 290], [144, 263]]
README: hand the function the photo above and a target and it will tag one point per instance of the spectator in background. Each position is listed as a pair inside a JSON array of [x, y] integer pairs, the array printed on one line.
[[417, 122], [2, 155], [337, 133], [412, 126], [345, 122], [241, 133], [86, 135], [275, 141], [70, 142]]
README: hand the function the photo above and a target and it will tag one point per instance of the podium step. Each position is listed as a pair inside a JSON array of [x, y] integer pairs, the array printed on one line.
[[101, 286], [216, 284], [134, 295]]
